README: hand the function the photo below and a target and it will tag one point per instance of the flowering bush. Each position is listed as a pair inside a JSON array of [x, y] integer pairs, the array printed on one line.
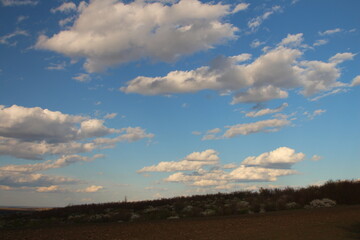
[[325, 202]]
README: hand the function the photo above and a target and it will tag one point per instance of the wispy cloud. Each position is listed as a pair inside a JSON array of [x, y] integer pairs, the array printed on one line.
[[330, 31], [6, 39], [19, 2]]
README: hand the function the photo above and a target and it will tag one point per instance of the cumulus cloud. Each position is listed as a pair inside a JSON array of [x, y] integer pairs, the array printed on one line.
[[245, 173], [259, 94], [294, 40], [268, 77], [36, 124], [193, 161], [282, 157], [126, 32], [220, 177], [229, 166], [18, 2], [32, 133], [266, 167], [266, 111], [355, 81]]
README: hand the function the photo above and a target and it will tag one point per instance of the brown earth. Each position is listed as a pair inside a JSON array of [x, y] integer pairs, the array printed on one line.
[[341, 222]]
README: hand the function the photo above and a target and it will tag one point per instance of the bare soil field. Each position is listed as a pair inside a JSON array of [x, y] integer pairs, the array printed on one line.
[[342, 222]]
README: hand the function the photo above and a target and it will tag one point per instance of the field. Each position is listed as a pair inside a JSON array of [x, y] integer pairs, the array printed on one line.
[[341, 222]]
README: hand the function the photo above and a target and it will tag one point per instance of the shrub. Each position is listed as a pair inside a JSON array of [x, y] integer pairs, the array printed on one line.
[[292, 205], [317, 203], [208, 212]]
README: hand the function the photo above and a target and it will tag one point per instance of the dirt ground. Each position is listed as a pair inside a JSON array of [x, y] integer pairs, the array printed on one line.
[[317, 224]]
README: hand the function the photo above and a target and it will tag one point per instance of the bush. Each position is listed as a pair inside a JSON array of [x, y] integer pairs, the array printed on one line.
[[317, 203], [292, 205]]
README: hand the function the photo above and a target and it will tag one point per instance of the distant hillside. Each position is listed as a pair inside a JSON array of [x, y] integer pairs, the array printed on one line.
[[245, 202]]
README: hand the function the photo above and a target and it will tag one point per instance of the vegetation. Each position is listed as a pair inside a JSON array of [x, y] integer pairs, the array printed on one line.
[[244, 202]]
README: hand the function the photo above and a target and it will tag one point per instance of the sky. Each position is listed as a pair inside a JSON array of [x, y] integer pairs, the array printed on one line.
[[106, 99]]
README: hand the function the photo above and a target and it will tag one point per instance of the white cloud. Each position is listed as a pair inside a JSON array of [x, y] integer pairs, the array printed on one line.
[[140, 29], [82, 77], [215, 130], [245, 173], [91, 189], [330, 31], [320, 42], [294, 40], [266, 167], [315, 113], [56, 66], [259, 94], [319, 77], [266, 111], [316, 157], [329, 93], [208, 155], [59, 163], [265, 78], [32, 133], [66, 7], [220, 177], [66, 21], [341, 57], [229, 166], [256, 43], [18, 2], [240, 7], [282, 157], [355, 81], [254, 23], [17, 180], [269, 125], [110, 115], [52, 188], [193, 161], [6, 39], [240, 58]]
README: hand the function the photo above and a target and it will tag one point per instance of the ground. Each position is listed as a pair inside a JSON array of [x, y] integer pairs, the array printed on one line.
[[342, 222]]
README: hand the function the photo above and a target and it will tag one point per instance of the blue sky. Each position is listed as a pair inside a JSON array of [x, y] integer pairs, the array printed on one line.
[[104, 99]]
